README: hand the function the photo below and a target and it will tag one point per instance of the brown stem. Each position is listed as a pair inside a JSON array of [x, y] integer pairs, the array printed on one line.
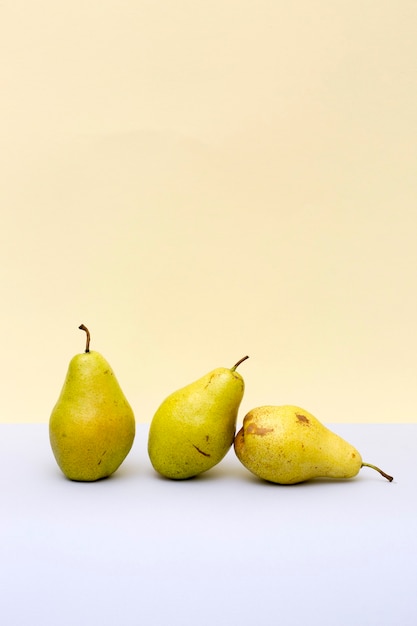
[[387, 476], [238, 363], [87, 344]]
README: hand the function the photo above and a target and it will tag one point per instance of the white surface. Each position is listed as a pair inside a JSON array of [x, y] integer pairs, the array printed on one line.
[[222, 549]]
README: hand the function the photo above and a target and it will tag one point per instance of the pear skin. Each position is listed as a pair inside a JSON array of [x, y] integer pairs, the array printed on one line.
[[288, 445], [194, 427], [92, 426]]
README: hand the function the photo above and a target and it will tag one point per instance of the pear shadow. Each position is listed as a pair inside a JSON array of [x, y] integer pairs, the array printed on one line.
[[123, 472], [320, 481], [312, 482], [211, 475], [168, 479]]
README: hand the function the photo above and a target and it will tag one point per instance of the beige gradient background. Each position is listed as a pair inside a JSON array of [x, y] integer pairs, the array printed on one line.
[[200, 180]]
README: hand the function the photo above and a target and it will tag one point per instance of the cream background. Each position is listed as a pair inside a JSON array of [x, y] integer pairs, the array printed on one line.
[[197, 181]]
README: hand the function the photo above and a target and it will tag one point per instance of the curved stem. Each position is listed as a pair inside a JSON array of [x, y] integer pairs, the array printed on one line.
[[87, 344], [238, 363], [387, 476]]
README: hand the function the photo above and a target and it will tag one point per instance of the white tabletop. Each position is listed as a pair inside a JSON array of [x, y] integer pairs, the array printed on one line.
[[222, 549]]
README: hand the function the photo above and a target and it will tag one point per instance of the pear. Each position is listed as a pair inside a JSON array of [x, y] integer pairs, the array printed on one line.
[[194, 427], [92, 426], [287, 445]]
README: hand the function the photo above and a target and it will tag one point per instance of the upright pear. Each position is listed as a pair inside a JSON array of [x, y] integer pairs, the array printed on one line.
[[92, 426], [194, 427], [287, 445]]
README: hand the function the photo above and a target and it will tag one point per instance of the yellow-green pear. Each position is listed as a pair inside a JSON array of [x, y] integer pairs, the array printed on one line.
[[92, 426], [194, 427], [287, 445]]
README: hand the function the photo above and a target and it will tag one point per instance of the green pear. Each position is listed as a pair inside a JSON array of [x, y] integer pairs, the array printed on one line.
[[287, 445], [92, 426], [194, 427]]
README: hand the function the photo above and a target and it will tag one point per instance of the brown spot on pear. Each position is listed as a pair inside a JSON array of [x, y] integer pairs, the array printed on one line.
[[254, 429]]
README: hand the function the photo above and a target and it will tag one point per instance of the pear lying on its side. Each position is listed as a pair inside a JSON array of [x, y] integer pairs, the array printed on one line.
[[194, 427], [287, 445], [92, 426]]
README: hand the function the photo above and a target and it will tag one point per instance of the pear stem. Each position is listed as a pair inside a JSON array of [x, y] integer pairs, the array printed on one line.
[[238, 363], [87, 344], [387, 476]]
